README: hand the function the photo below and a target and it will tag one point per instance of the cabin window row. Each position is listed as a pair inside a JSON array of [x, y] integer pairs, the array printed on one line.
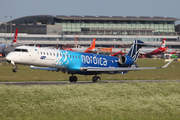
[[53, 54]]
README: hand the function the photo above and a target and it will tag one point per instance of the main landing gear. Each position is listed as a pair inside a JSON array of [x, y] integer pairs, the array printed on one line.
[[73, 78], [96, 79]]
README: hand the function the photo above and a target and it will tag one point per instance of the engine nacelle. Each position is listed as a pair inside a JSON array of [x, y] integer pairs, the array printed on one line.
[[126, 60]]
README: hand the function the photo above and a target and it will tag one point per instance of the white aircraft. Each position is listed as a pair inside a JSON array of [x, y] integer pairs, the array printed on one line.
[[77, 62], [6, 48], [154, 51]]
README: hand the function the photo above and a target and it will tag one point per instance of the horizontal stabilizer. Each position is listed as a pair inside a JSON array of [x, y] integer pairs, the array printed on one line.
[[167, 64], [43, 68]]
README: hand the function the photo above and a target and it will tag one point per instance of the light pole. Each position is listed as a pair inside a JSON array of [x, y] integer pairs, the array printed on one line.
[[11, 26], [5, 27]]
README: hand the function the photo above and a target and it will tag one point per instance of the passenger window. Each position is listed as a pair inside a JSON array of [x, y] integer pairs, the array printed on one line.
[[70, 56], [44, 53], [79, 57], [54, 54], [41, 53], [51, 54], [66, 55], [57, 55], [73, 56], [47, 53]]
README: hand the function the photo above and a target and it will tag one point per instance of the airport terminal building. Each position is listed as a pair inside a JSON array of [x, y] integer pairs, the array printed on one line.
[[109, 31]]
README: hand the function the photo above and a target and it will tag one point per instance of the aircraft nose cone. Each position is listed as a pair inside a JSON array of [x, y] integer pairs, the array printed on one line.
[[8, 57]]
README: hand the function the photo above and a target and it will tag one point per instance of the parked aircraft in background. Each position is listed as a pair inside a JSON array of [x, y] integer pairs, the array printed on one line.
[[6, 48], [86, 50], [118, 53], [154, 51], [77, 62]]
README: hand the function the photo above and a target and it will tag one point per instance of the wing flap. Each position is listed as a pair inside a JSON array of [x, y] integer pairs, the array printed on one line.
[[44, 68], [110, 69], [102, 69]]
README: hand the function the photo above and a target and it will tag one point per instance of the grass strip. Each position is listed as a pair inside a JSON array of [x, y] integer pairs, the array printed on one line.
[[91, 101]]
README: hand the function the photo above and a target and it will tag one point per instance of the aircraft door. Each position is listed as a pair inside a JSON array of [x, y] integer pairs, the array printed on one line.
[[33, 54]]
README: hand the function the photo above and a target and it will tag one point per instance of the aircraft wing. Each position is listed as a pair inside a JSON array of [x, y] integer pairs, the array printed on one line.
[[120, 69], [43, 68]]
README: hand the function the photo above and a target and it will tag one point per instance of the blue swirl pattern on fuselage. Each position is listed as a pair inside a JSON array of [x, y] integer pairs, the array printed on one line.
[[74, 60], [68, 60]]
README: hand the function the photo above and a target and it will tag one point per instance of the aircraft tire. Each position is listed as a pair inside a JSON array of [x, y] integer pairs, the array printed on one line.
[[74, 78], [98, 79], [94, 79], [14, 70], [71, 79]]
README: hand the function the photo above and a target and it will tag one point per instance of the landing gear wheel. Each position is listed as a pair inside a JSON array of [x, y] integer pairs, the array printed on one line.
[[73, 79], [96, 79], [14, 70]]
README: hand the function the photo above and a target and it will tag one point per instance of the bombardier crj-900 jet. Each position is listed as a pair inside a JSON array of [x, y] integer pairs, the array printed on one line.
[[77, 62]]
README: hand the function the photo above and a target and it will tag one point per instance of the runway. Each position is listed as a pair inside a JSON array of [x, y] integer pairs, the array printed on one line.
[[80, 82], [2, 60]]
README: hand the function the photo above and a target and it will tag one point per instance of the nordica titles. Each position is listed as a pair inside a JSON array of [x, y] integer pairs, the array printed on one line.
[[94, 60]]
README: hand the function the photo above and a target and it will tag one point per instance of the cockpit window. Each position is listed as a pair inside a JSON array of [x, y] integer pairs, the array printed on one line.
[[17, 50], [20, 50], [24, 50]]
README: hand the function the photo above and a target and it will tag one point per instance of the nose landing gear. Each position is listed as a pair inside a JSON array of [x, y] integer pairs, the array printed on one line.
[[15, 67]]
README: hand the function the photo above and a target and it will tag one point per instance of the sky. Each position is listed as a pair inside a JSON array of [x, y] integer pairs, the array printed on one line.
[[149, 8]]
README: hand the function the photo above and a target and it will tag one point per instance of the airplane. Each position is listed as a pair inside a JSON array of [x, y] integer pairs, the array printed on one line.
[[86, 50], [154, 51], [6, 48], [77, 62]]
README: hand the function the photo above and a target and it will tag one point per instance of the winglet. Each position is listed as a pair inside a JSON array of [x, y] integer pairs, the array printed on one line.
[[165, 66], [163, 44], [15, 36]]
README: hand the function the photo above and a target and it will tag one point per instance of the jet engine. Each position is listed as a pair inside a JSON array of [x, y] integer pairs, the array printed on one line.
[[126, 60]]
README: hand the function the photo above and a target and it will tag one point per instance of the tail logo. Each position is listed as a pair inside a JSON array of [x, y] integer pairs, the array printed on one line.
[[134, 50], [15, 36]]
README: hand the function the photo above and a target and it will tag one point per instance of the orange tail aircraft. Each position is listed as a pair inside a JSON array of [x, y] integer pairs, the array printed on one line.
[[86, 50]]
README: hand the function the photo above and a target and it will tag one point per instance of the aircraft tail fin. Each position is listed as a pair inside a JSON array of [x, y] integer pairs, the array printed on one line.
[[134, 50], [163, 44], [15, 36], [92, 46]]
